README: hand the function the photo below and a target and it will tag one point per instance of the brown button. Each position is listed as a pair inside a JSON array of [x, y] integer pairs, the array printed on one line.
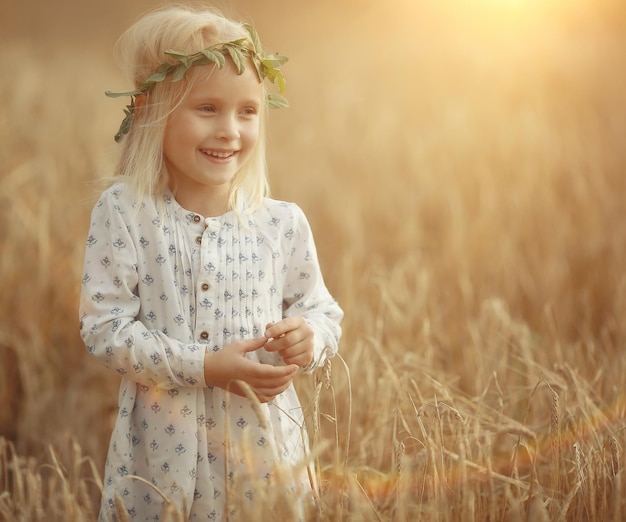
[[204, 336], [199, 239], [196, 219], [205, 286]]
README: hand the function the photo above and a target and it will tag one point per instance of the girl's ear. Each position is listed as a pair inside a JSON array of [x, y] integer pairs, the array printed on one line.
[[140, 101]]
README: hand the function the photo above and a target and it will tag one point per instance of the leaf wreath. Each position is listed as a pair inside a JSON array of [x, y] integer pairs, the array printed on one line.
[[266, 65]]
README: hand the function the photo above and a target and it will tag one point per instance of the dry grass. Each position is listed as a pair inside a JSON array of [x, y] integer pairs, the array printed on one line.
[[465, 181]]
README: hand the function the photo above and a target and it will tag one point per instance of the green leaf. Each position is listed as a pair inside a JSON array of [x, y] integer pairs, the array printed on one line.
[[179, 72], [268, 70], [179, 55], [126, 123], [121, 94], [237, 57], [158, 76], [277, 59], [254, 37], [215, 56], [276, 101], [259, 67], [280, 79]]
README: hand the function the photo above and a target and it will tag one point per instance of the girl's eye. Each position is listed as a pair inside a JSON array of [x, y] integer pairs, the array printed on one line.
[[207, 108], [248, 111]]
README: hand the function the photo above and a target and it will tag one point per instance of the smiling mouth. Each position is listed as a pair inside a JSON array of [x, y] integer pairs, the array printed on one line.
[[219, 154]]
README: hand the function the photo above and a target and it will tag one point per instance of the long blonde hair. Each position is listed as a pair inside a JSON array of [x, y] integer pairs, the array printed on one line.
[[140, 52]]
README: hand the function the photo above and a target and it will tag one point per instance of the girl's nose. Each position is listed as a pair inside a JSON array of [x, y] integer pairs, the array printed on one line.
[[227, 128]]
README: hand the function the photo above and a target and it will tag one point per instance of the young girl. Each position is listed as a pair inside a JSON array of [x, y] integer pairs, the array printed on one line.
[[202, 293]]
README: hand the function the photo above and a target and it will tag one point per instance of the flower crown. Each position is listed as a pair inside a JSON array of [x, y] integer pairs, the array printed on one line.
[[266, 65]]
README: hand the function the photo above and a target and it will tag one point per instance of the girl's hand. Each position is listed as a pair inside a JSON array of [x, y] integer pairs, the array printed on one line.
[[224, 367], [293, 339]]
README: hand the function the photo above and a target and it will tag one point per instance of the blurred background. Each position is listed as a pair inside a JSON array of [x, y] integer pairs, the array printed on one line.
[[462, 165]]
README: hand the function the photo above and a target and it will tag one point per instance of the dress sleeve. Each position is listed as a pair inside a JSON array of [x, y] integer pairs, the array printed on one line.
[[305, 293], [110, 305]]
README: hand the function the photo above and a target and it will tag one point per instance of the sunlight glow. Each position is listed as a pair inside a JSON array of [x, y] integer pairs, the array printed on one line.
[[502, 15]]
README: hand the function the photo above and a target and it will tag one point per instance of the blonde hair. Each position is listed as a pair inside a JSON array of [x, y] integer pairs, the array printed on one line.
[[140, 52]]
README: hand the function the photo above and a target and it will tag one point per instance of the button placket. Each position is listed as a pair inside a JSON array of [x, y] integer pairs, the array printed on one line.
[[205, 295]]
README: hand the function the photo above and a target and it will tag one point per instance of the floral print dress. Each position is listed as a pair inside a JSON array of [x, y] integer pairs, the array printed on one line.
[[161, 286]]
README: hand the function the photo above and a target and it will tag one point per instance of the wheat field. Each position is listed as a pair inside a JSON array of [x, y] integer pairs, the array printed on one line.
[[462, 164]]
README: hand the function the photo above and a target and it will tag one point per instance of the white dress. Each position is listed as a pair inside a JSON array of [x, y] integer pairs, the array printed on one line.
[[162, 285]]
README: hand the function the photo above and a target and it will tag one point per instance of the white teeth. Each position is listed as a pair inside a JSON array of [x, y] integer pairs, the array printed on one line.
[[219, 154]]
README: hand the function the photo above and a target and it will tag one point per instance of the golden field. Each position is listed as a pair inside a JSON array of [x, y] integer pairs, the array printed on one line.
[[463, 166]]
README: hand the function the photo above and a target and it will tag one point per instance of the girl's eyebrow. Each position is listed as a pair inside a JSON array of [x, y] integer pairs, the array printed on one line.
[[254, 102], [199, 100]]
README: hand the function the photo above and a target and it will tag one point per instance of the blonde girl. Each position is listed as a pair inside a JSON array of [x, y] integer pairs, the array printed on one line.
[[203, 294]]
